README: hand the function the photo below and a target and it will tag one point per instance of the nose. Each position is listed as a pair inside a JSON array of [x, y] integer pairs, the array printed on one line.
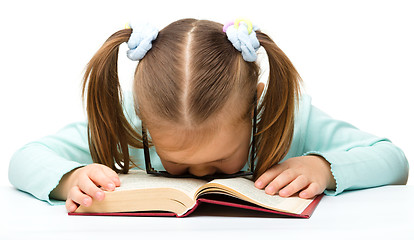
[[200, 171]]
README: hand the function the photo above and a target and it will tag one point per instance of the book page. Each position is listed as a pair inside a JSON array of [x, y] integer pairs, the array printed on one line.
[[246, 187], [139, 179]]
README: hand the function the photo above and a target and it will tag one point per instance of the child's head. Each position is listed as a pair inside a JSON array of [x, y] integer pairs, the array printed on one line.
[[195, 94]]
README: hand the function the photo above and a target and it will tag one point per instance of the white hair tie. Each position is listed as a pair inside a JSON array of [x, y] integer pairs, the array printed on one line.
[[241, 33], [140, 41]]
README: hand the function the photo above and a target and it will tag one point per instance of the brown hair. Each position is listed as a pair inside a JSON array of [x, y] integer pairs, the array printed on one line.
[[189, 75]]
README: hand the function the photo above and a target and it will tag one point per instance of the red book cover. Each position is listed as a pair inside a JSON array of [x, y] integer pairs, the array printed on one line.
[[221, 200]]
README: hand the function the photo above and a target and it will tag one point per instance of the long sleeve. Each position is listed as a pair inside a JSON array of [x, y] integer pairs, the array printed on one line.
[[358, 160], [38, 166]]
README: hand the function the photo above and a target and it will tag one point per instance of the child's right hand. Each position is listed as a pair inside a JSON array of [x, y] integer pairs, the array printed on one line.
[[84, 185]]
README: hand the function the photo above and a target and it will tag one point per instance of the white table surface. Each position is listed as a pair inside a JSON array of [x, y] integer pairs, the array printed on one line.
[[377, 213]]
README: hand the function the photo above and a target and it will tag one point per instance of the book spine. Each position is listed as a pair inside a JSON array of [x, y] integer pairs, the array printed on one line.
[[190, 210]]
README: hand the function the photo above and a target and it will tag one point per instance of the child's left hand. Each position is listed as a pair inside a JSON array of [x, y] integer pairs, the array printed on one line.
[[308, 175]]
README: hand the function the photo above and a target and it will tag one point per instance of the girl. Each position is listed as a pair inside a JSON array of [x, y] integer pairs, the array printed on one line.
[[195, 92]]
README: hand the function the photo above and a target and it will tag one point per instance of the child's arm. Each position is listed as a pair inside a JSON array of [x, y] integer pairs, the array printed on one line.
[[358, 159], [40, 166], [60, 167], [355, 159]]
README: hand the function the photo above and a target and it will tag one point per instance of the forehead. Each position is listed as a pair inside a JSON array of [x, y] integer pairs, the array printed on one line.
[[199, 145]]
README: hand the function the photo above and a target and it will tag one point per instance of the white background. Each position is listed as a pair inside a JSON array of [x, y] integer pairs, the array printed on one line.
[[355, 57]]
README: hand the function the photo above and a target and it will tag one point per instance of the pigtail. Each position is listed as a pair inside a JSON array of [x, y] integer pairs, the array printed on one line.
[[276, 111], [109, 132]]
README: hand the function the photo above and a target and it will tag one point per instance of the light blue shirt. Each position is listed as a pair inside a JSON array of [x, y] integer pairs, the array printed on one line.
[[358, 159]]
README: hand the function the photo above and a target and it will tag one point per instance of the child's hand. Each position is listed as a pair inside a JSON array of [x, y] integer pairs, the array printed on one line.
[[85, 182], [308, 175]]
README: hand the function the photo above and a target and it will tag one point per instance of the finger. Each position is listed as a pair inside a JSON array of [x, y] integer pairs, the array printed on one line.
[[311, 191], [71, 206], [89, 187], [98, 176], [78, 197], [295, 186], [280, 181], [112, 175], [268, 176]]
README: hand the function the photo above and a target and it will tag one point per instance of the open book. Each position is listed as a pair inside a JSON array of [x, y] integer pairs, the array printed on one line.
[[141, 194]]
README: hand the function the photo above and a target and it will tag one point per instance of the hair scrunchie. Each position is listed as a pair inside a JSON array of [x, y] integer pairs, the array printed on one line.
[[140, 41], [241, 33]]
